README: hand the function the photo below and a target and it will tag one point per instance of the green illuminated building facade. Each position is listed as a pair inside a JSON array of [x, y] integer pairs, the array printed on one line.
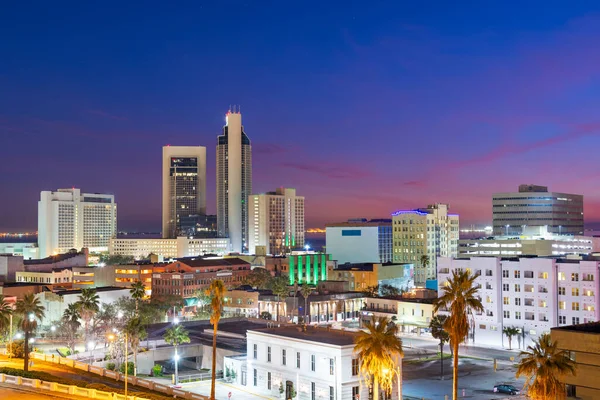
[[308, 268]]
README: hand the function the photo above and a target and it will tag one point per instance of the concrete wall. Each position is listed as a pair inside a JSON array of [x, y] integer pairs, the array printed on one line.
[[353, 248]]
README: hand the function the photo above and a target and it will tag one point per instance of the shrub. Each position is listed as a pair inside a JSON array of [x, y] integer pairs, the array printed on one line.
[[157, 370], [17, 349], [111, 366], [129, 368], [266, 315]]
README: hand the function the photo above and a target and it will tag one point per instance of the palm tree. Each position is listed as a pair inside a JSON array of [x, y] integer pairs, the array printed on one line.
[[216, 291], [459, 298], [88, 305], [138, 291], [30, 310], [377, 349], [509, 332], [306, 290], [6, 312], [71, 324], [175, 336], [136, 332], [425, 262], [543, 365], [438, 332], [279, 288]]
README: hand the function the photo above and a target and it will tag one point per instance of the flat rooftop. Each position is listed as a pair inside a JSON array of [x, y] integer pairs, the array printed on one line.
[[313, 334], [590, 327]]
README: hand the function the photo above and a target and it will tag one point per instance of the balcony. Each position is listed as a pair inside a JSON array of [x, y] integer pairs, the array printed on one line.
[[529, 288], [542, 289], [543, 318], [529, 302], [529, 317], [528, 274]]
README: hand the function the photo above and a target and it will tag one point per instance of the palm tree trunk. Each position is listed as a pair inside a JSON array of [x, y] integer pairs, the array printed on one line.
[[510, 342], [135, 348], [214, 362], [455, 372], [305, 305], [26, 354], [375, 389], [278, 308]]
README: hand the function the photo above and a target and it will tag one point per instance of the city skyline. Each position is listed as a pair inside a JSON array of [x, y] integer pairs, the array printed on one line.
[[386, 108]]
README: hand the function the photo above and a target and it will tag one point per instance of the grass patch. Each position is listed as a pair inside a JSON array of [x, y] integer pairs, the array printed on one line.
[[46, 377]]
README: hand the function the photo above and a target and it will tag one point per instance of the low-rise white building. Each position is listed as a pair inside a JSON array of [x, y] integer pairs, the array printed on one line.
[[315, 363], [169, 248], [532, 294], [56, 275]]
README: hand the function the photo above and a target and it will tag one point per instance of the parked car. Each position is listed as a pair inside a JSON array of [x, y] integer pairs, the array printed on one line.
[[508, 389]]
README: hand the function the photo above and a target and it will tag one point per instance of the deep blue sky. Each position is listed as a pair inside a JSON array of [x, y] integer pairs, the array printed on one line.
[[364, 107]]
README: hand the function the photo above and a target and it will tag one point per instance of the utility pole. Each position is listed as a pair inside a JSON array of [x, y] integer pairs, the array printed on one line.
[[126, 364]]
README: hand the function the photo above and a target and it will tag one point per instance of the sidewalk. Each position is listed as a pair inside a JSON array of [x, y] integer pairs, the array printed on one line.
[[223, 389]]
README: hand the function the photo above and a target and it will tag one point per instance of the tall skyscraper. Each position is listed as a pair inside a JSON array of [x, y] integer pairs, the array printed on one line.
[[430, 232], [535, 206], [69, 219], [234, 181], [184, 186], [276, 220]]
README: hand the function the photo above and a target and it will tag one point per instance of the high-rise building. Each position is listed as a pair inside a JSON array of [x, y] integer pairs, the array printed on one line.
[[276, 221], [184, 186], [69, 219], [430, 232], [234, 181], [533, 205], [360, 240]]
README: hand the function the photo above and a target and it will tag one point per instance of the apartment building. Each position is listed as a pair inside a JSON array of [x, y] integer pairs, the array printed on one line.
[[363, 275], [532, 294], [169, 248], [360, 241], [56, 275], [313, 363], [431, 232]]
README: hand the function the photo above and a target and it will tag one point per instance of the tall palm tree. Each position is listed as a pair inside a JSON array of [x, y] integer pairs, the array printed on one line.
[[216, 291], [425, 261], [542, 365], [88, 305], [306, 290], [138, 291], [509, 332], [175, 336], [5, 313], [459, 297], [279, 287], [438, 332], [70, 322], [30, 310], [136, 332], [378, 350]]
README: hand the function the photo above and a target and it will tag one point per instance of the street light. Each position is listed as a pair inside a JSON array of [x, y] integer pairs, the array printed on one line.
[[175, 320], [507, 226], [53, 328], [398, 372]]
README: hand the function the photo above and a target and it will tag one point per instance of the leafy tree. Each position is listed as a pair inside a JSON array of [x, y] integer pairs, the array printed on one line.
[[306, 290], [176, 336], [216, 291], [372, 291], [30, 309], [279, 286], [378, 349], [542, 366], [266, 315], [259, 278], [5, 313], [460, 297], [389, 291], [138, 291], [17, 348], [509, 332], [116, 259], [136, 332], [88, 305]]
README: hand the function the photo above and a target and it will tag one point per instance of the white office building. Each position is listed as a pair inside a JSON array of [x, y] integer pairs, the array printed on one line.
[[532, 294], [69, 219], [234, 181], [533, 205], [169, 248], [360, 241], [183, 186], [276, 221], [315, 364]]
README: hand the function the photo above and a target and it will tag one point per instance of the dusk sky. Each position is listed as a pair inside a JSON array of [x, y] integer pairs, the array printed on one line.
[[365, 107]]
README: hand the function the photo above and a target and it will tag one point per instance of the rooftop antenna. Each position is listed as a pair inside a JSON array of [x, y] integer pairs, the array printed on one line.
[[229, 108], [239, 108]]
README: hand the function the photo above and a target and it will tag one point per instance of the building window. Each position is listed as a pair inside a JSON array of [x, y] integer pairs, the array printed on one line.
[[255, 351], [255, 377], [505, 273], [575, 320], [517, 301], [331, 392], [517, 314], [269, 380], [506, 314], [269, 354], [355, 393], [283, 357], [313, 362], [517, 274], [575, 306], [561, 276], [313, 391], [298, 359], [575, 277], [562, 305], [355, 366], [331, 366], [574, 291], [561, 290], [562, 319], [506, 300], [517, 288], [505, 287]]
